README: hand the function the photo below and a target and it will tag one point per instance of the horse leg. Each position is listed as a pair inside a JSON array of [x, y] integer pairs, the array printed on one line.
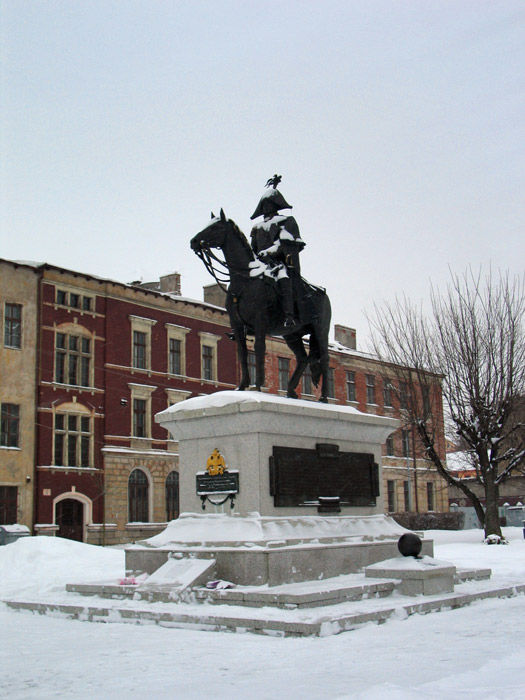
[[324, 363], [242, 353], [301, 361], [260, 352]]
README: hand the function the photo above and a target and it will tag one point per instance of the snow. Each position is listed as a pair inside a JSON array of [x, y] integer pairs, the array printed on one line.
[[474, 652], [15, 528], [230, 398], [201, 528], [410, 564]]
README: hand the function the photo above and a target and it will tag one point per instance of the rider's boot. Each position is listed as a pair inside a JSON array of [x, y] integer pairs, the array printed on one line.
[[285, 292]]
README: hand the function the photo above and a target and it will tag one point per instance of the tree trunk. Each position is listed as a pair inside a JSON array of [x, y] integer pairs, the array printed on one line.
[[492, 526]]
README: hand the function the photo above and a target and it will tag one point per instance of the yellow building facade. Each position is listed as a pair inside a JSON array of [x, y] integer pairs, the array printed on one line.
[[19, 284]]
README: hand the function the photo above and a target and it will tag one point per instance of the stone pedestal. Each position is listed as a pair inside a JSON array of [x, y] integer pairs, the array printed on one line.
[[423, 576], [246, 426]]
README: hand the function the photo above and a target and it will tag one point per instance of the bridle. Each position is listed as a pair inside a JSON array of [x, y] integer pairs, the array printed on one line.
[[217, 267], [221, 276]]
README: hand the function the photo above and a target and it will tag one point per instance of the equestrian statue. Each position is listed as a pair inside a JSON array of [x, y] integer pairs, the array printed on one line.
[[266, 294]]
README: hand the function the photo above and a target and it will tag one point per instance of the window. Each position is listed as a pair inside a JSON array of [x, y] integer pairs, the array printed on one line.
[[252, 367], [391, 493], [405, 441], [8, 505], [390, 446], [141, 329], [177, 395], [172, 496], [138, 495], [350, 386], [10, 425], [370, 388], [387, 392], [283, 367], [425, 391], [307, 381], [73, 300], [13, 325], [331, 383], [431, 505], [403, 395], [175, 356], [176, 349], [406, 493], [72, 440], [141, 410], [207, 362], [139, 350], [209, 368], [72, 359], [139, 418]]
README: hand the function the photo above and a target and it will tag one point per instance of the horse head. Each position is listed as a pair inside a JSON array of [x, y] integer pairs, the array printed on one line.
[[212, 235]]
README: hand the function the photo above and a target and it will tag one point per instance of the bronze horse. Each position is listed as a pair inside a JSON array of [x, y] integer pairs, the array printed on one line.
[[254, 308]]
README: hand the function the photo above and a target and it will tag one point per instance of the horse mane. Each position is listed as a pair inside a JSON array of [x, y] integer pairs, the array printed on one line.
[[240, 235]]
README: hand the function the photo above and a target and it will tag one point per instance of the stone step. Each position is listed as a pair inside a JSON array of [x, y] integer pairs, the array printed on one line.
[[288, 596], [292, 596], [463, 575], [112, 591], [277, 622]]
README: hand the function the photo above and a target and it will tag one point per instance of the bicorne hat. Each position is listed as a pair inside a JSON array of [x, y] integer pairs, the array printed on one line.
[[277, 200]]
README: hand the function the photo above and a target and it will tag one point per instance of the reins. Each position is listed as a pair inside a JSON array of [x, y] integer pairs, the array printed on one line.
[[221, 276], [206, 255]]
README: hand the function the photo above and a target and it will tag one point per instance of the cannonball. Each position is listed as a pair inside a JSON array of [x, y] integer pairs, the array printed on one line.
[[409, 544]]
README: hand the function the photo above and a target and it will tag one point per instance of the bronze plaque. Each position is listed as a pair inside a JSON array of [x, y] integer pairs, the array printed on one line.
[[299, 477]]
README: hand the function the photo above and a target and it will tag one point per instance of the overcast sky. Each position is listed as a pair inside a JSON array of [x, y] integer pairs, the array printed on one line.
[[397, 126]]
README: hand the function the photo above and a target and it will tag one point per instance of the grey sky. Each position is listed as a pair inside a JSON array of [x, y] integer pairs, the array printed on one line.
[[398, 128]]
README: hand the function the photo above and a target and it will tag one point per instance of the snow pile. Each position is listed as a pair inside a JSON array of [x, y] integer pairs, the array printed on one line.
[[34, 565], [199, 529]]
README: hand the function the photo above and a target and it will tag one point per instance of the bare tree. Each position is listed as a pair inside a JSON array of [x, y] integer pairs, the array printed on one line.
[[472, 341]]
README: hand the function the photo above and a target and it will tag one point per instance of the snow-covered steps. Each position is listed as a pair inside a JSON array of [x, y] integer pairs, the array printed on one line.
[[303, 595], [321, 621]]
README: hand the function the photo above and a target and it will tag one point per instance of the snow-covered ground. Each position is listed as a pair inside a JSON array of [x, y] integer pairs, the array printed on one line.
[[474, 652]]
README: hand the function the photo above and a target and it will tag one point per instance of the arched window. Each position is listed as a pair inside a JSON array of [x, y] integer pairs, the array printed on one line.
[[138, 497], [172, 496]]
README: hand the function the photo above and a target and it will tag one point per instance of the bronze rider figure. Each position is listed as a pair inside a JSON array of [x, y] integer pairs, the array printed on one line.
[[277, 242]]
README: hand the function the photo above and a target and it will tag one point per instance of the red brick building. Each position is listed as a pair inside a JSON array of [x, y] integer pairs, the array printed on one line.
[[110, 356]]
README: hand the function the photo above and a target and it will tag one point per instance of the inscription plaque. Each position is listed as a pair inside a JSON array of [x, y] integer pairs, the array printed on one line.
[[227, 483], [301, 477]]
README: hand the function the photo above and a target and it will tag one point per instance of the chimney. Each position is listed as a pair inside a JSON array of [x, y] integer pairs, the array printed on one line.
[[345, 336], [170, 284], [213, 294]]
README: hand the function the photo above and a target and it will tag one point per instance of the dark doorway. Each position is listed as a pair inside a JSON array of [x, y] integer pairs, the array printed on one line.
[[70, 519]]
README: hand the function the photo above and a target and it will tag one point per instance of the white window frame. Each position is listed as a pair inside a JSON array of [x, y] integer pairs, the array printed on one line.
[[141, 325], [209, 340], [142, 392], [179, 333]]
